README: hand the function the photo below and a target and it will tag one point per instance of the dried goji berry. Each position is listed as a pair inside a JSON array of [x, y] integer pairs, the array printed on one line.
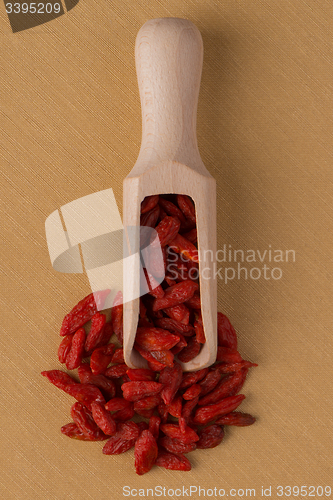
[[84, 420], [206, 414], [171, 209], [175, 407], [192, 236], [116, 445], [188, 435], [174, 325], [154, 425], [103, 419], [116, 404], [172, 461], [175, 446], [236, 418], [117, 316], [183, 246], [228, 386], [234, 367], [191, 378], [141, 374], [118, 357], [83, 312], [227, 355], [226, 333], [150, 218], [133, 391], [176, 294], [192, 392], [210, 436], [59, 378], [147, 403], [149, 202], [166, 231], [187, 412], [145, 452], [106, 385], [128, 430], [116, 371], [170, 378], [71, 430], [74, 356], [199, 331], [96, 331], [179, 313], [101, 358], [85, 394], [190, 351], [155, 339], [210, 381], [64, 347]]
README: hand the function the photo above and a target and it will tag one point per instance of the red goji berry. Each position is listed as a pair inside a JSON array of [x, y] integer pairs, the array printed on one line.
[[133, 391], [210, 381], [145, 452], [150, 218], [155, 339], [96, 331], [116, 445], [184, 247], [174, 325], [170, 378], [128, 430], [236, 418], [154, 425], [227, 355], [141, 374], [84, 420], [116, 371], [179, 313], [166, 231], [192, 392], [190, 351], [74, 356], [118, 357], [117, 316], [175, 446], [149, 202], [188, 435], [71, 430], [176, 294], [210, 437], [117, 403], [64, 347], [206, 414], [186, 205], [83, 312], [226, 333], [106, 385], [191, 378], [228, 386], [101, 358], [103, 419], [172, 461]]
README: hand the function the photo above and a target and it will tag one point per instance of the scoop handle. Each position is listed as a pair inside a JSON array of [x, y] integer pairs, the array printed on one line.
[[168, 56]]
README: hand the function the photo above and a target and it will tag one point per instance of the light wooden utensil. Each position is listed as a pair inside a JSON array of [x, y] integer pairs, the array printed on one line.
[[168, 55]]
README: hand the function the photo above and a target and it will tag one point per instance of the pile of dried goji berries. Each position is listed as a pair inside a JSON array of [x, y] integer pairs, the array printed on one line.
[[159, 410]]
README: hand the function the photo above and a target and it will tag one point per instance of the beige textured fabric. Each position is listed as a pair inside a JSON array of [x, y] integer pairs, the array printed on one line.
[[70, 126]]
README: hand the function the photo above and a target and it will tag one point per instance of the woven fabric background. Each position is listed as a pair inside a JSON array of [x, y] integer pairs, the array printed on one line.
[[71, 126]]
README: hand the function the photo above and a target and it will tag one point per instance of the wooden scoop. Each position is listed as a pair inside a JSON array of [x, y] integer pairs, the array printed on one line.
[[168, 54]]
